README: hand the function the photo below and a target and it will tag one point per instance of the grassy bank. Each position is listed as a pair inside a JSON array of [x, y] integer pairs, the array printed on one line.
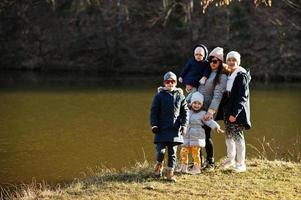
[[263, 180]]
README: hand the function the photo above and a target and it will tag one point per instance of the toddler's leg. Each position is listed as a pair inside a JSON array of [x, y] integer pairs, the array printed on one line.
[[184, 155], [184, 159], [196, 155], [196, 169]]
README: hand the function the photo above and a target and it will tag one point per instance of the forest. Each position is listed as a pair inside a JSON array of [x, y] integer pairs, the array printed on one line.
[[148, 37]]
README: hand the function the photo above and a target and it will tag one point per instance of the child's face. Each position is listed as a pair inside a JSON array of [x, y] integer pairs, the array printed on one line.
[[232, 64], [196, 106], [198, 56], [170, 84]]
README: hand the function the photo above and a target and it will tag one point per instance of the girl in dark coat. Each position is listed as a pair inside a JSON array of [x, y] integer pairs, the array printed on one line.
[[236, 112], [168, 118]]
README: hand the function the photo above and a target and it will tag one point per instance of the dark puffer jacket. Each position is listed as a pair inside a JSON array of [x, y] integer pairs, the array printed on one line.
[[238, 102], [169, 112]]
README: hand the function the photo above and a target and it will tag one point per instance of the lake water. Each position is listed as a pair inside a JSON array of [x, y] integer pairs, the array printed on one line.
[[55, 133]]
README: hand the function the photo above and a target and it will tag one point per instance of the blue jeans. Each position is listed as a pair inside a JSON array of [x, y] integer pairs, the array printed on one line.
[[172, 153]]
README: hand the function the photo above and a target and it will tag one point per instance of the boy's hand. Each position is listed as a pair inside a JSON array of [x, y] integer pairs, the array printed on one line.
[[180, 79], [219, 130], [183, 130], [155, 129]]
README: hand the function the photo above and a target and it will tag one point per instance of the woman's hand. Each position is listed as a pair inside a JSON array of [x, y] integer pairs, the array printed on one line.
[[232, 119], [208, 116]]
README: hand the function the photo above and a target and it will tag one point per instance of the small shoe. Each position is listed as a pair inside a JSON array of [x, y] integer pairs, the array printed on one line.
[[196, 169], [170, 176], [184, 169], [240, 168], [158, 170], [209, 167], [180, 168], [228, 164]]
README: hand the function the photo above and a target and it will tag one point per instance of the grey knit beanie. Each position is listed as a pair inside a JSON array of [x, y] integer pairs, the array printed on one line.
[[170, 75], [197, 96]]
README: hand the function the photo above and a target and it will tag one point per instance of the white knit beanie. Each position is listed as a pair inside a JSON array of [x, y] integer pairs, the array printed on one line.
[[199, 50], [197, 96], [234, 54], [218, 52]]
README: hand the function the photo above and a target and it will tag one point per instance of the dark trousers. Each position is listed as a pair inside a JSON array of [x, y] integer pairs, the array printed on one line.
[[209, 145], [171, 151]]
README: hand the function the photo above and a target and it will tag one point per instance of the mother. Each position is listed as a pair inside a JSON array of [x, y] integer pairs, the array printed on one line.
[[213, 92]]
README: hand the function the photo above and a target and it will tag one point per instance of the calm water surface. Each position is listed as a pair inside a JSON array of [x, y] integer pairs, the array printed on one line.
[[55, 134]]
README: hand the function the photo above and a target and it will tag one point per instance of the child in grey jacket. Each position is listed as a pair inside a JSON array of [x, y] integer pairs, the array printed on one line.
[[195, 137]]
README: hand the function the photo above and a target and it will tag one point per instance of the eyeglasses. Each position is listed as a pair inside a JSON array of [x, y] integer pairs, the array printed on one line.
[[169, 81], [214, 61]]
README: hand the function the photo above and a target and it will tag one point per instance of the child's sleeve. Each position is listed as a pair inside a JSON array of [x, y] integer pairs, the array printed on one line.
[[154, 115], [184, 112], [186, 69], [207, 69]]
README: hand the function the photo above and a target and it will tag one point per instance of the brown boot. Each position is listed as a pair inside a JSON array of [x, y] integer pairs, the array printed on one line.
[[158, 170], [170, 175]]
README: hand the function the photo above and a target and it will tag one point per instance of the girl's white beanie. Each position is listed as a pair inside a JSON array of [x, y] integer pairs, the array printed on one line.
[[234, 54]]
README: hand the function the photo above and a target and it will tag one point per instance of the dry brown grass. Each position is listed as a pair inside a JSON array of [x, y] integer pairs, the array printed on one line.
[[263, 180]]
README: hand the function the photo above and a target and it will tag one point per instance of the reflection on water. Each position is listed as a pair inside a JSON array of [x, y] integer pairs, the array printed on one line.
[[55, 133]]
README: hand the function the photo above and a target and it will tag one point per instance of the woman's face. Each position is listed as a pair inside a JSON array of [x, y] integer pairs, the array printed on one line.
[[232, 64], [214, 63]]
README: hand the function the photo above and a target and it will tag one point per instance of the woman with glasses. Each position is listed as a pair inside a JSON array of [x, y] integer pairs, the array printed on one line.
[[213, 92]]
